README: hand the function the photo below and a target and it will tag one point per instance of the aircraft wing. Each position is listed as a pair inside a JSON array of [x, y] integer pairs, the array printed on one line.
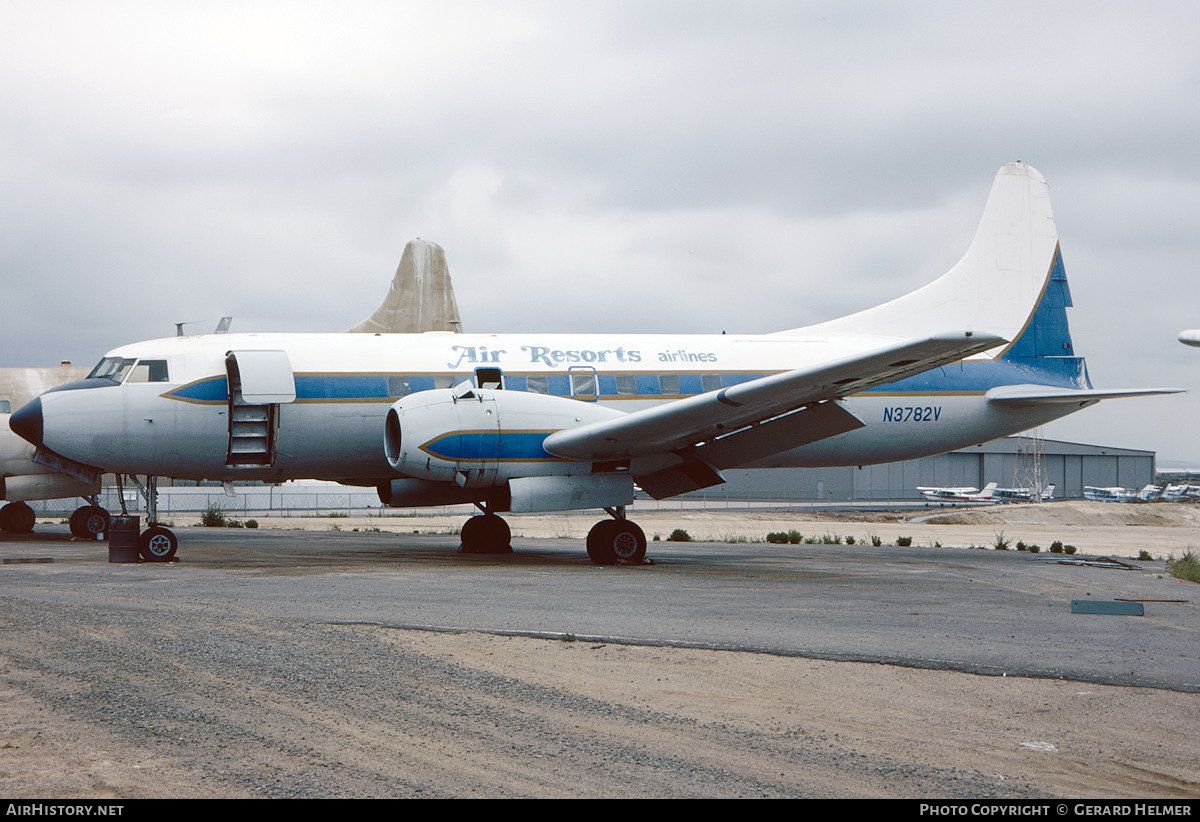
[[1045, 395], [718, 418]]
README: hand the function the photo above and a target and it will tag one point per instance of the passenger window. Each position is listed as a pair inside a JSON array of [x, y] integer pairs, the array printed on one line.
[[710, 382], [537, 385], [626, 384], [399, 386], [583, 385], [489, 378], [445, 382], [148, 371], [5, 407], [668, 383]]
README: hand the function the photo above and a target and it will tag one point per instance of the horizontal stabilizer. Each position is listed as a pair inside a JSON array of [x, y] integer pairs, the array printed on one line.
[[1017, 395], [705, 417]]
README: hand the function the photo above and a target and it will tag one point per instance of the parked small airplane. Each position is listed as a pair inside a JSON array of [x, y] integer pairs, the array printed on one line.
[[1181, 492], [933, 494], [1023, 494], [539, 422], [990, 493], [1148, 493]]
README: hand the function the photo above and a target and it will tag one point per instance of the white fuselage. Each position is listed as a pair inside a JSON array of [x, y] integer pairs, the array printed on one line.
[[177, 423]]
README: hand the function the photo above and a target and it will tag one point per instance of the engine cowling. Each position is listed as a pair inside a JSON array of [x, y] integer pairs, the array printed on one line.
[[481, 438]]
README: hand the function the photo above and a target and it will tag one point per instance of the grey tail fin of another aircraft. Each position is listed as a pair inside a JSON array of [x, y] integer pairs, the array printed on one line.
[[421, 297]]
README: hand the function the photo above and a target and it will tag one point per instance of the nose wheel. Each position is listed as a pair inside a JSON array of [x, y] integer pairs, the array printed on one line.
[[157, 544]]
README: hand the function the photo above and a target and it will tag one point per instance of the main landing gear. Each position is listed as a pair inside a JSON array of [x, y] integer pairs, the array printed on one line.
[[89, 521], [17, 518], [487, 534], [616, 541]]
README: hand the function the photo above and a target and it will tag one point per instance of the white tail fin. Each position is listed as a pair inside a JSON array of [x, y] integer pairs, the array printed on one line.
[[988, 491], [995, 287]]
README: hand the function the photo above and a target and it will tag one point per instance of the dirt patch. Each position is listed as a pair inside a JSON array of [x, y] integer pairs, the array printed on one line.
[[1094, 528]]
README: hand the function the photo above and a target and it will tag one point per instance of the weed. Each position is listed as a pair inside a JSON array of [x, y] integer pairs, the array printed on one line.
[[1001, 543], [876, 541], [1144, 555], [213, 517], [1056, 547], [1186, 567], [904, 542], [679, 535]]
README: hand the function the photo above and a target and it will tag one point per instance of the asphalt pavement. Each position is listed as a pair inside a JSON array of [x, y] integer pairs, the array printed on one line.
[[1001, 613]]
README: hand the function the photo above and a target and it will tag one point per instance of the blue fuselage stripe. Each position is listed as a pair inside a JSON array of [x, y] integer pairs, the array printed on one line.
[[965, 377]]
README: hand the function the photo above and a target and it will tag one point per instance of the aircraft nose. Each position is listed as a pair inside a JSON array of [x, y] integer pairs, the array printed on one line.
[[26, 422]]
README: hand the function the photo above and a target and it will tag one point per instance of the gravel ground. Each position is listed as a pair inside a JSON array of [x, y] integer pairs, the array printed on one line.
[[107, 698], [122, 703]]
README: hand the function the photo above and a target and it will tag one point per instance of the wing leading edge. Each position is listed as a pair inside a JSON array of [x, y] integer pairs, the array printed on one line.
[[715, 421]]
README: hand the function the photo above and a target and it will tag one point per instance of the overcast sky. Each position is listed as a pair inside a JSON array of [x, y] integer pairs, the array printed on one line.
[[604, 166]]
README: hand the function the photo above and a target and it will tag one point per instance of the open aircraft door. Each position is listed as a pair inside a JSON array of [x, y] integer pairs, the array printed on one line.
[[259, 382]]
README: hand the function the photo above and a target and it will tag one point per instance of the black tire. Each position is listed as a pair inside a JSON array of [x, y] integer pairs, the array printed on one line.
[[487, 534], [613, 542], [17, 518], [157, 544], [89, 521]]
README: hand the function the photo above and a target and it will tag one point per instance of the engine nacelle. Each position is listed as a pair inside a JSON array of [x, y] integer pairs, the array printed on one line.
[[407, 492], [45, 486], [481, 438]]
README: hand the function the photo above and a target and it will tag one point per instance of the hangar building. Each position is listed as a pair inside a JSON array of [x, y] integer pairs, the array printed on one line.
[[1009, 462]]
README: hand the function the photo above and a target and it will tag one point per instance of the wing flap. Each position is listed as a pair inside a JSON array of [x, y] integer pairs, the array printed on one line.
[[707, 417]]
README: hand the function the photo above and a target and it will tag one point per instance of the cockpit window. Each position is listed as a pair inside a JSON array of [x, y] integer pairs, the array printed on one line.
[[111, 368], [149, 371], [118, 368]]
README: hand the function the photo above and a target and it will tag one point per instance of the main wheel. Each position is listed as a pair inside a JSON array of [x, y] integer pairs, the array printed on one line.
[[157, 544], [17, 518], [488, 534], [89, 521], [613, 541]]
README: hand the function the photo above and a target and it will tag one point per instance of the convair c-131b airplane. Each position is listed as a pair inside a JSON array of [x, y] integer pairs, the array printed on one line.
[[541, 422]]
